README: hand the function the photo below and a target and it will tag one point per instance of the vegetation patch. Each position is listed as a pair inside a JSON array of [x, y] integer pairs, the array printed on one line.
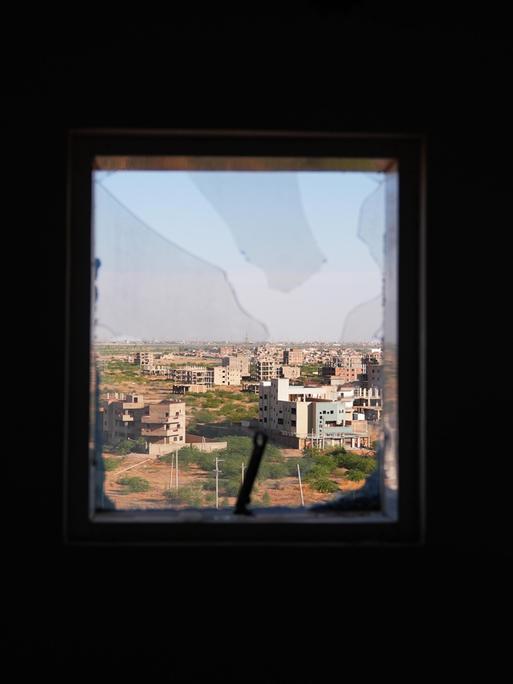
[[134, 484], [112, 463], [190, 495], [128, 446], [356, 475]]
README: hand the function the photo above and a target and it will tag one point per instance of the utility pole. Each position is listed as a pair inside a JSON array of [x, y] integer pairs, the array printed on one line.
[[171, 471], [300, 485], [217, 471], [176, 463]]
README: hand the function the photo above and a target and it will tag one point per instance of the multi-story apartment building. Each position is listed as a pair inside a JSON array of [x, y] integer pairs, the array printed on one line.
[[293, 357], [369, 401], [163, 427], [374, 375], [310, 415], [239, 362], [192, 375], [345, 374], [266, 369], [290, 372], [352, 361], [145, 358], [121, 417], [163, 371], [226, 375]]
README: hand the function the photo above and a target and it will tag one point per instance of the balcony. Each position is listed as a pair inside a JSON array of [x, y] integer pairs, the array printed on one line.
[[159, 432], [150, 420]]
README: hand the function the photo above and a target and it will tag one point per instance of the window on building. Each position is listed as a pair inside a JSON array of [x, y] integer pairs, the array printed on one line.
[[319, 197]]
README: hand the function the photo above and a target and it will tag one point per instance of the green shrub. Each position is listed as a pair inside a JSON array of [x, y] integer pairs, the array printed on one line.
[[266, 499], [273, 470], [230, 487], [204, 416], [328, 461], [318, 472], [186, 456], [324, 485], [134, 484], [112, 463], [189, 495], [366, 464], [355, 475], [127, 446]]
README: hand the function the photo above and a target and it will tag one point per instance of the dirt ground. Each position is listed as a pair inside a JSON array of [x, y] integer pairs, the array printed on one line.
[[282, 492]]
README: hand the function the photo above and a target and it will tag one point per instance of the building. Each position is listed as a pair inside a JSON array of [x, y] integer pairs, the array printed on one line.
[[163, 371], [344, 374], [293, 357], [145, 358], [304, 416], [192, 375], [266, 369], [163, 427], [374, 375], [226, 375], [186, 389], [121, 417], [369, 401], [290, 372], [239, 362]]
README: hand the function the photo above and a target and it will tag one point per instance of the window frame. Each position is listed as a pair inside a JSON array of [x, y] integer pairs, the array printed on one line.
[[275, 526]]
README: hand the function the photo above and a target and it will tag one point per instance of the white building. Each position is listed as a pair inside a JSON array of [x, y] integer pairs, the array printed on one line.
[[316, 415]]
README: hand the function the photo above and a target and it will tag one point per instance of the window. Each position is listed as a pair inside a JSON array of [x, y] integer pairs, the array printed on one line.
[[396, 165]]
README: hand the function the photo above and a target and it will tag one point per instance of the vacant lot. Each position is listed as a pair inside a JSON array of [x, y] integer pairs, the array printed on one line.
[[161, 476]]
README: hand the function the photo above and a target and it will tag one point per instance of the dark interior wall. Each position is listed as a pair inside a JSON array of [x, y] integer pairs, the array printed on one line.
[[357, 66]]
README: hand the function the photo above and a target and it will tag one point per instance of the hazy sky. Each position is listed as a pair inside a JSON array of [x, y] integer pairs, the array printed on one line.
[[286, 241]]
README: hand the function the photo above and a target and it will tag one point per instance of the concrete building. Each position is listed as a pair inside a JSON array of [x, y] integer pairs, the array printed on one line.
[[374, 375], [344, 374], [121, 417], [266, 369], [145, 358], [186, 389], [163, 427], [226, 375], [192, 375], [163, 371], [309, 415], [369, 401], [293, 357], [239, 362], [290, 372]]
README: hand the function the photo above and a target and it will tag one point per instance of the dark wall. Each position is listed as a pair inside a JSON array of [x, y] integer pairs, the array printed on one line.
[[357, 66]]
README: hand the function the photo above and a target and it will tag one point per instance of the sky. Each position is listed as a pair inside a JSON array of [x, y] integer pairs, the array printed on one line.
[[285, 245]]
